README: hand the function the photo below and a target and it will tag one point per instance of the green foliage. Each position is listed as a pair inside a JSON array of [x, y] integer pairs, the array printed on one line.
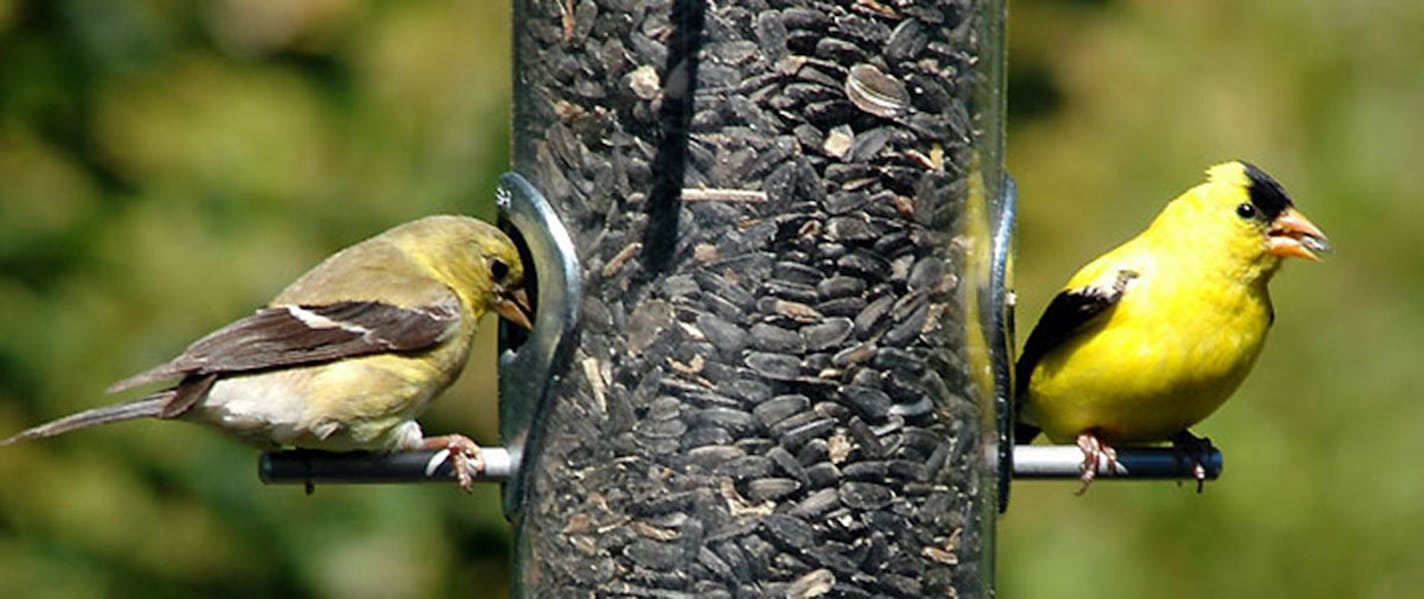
[[166, 167], [1319, 497]]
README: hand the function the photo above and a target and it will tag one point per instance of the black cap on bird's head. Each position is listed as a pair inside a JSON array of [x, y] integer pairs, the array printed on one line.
[[1266, 194]]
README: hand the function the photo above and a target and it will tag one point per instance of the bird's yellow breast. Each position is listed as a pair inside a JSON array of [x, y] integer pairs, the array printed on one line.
[[1176, 345]]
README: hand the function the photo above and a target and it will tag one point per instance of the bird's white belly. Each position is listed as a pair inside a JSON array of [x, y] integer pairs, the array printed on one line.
[[265, 409], [272, 410]]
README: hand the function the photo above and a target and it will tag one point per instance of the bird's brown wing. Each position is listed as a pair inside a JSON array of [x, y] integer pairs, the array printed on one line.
[[294, 335], [1069, 312]]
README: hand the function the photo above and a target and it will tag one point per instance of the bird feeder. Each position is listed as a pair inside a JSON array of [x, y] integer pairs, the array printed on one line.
[[780, 379], [770, 248]]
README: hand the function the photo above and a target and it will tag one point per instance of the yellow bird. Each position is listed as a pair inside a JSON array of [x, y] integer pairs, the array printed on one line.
[[347, 356], [1153, 336]]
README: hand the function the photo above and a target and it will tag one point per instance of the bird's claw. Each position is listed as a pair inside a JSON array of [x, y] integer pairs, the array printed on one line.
[[464, 457], [1097, 455], [1193, 451]]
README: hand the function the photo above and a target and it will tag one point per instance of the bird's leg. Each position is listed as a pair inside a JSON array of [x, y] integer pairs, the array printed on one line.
[[1193, 451], [464, 457], [1096, 454]]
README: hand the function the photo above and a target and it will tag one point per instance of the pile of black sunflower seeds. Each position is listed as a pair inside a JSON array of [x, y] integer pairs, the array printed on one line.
[[769, 396]]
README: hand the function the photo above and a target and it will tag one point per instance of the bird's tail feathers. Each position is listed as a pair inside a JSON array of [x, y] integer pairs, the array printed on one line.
[[145, 407]]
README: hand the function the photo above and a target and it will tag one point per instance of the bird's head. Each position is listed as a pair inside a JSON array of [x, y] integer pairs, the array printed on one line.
[[478, 260], [506, 272], [1250, 213]]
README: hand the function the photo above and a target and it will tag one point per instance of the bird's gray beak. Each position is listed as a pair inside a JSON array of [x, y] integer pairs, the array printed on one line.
[[514, 307]]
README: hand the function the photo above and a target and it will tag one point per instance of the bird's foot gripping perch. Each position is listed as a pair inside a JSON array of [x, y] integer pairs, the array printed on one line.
[[1097, 455], [1193, 452], [463, 455]]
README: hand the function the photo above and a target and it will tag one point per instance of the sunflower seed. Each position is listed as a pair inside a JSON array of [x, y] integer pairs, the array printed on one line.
[[874, 92]]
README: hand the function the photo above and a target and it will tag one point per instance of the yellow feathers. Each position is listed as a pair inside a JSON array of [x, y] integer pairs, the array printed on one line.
[[1154, 335]]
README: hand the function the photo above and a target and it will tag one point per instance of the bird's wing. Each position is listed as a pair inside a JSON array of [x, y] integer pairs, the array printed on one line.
[[1071, 311], [291, 335]]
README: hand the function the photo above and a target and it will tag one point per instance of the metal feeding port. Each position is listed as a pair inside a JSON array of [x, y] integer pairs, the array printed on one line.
[[548, 253], [528, 365]]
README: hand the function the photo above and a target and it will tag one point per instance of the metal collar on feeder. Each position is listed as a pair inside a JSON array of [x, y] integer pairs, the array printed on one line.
[[527, 361], [1003, 211]]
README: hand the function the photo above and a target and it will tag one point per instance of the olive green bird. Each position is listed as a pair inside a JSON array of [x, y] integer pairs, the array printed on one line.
[[348, 355], [1151, 337]]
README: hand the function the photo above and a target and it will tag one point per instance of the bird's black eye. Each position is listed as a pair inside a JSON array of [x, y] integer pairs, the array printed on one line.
[[1245, 211], [498, 269]]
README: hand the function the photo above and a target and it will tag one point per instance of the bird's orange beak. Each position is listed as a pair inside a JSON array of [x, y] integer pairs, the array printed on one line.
[[1293, 235], [514, 307]]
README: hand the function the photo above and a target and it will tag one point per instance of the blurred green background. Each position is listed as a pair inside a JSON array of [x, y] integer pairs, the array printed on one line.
[[1116, 108], [167, 166]]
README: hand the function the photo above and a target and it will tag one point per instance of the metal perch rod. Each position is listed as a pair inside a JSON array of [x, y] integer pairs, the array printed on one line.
[[360, 467], [1139, 463], [1030, 462]]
